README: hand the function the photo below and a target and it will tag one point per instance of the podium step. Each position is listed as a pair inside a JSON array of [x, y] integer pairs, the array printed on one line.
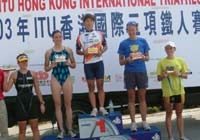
[[109, 127], [99, 126], [141, 134]]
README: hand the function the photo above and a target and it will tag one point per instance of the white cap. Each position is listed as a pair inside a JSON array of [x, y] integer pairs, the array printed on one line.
[[170, 43]]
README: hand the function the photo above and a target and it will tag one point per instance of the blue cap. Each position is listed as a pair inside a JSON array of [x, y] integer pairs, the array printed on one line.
[[132, 23]]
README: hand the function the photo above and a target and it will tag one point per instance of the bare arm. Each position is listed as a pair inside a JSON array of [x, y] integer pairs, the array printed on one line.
[[123, 60], [47, 65], [104, 49], [38, 92], [79, 52], [146, 56], [72, 63], [36, 86], [183, 75], [162, 76], [46, 62], [180, 74], [9, 81]]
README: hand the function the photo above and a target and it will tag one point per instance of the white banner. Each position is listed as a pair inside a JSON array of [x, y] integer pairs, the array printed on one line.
[[26, 26]]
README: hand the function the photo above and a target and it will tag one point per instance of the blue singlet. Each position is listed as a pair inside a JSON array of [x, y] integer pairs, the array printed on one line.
[[61, 71]]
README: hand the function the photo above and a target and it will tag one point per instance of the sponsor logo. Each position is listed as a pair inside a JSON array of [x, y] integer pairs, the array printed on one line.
[[117, 120], [156, 137]]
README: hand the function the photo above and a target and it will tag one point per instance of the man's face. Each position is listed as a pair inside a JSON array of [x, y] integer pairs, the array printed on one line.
[[132, 30], [88, 24]]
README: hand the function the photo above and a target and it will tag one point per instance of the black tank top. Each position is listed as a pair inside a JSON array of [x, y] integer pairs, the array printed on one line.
[[24, 83]]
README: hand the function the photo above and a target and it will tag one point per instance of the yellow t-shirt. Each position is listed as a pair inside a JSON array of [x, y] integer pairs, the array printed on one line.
[[172, 85]]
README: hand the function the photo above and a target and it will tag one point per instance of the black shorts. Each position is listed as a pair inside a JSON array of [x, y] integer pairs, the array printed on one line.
[[94, 70], [134, 80], [27, 107], [175, 99]]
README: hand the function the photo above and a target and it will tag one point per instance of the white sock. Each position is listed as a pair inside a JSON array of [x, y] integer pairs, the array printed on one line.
[[101, 108], [144, 122], [95, 109]]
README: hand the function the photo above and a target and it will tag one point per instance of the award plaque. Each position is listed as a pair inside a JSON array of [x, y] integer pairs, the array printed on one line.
[[92, 50], [8, 68], [60, 58], [136, 55], [170, 69]]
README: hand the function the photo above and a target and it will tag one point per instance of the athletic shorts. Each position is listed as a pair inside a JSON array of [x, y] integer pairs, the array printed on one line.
[[134, 80], [94, 70], [27, 108]]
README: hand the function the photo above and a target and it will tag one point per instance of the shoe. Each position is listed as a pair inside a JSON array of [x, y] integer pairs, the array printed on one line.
[[172, 138], [133, 127], [94, 112], [60, 135], [146, 126], [71, 133], [103, 111], [184, 138]]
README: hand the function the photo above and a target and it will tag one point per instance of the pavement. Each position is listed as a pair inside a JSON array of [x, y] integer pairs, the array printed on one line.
[[191, 122]]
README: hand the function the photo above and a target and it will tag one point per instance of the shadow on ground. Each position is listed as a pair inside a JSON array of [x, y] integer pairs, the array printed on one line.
[[192, 129]]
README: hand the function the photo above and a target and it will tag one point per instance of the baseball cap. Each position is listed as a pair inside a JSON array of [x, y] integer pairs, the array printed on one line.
[[132, 23], [170, 43], [22, 57]]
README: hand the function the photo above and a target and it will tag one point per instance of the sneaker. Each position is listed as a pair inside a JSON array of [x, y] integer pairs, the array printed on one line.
[[60, 135], [146, 126], [133, 127], [184, 138], [94, 112], [103, 111], [71, 133], [172, 138]]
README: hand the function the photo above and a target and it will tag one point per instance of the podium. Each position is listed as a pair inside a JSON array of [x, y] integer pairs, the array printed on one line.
[[110, 127], [153, 134], [92, 127]]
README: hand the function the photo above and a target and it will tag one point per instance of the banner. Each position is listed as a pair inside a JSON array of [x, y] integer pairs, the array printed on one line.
[[27, 26]]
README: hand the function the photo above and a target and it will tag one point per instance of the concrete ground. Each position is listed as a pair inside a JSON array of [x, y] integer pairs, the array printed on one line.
[[191, 121]]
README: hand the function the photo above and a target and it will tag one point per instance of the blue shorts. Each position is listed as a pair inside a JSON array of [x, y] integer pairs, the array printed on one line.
[[134, 80], [94, 70]]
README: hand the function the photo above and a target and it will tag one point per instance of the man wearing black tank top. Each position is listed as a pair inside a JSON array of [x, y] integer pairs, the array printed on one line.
[[26, 105]]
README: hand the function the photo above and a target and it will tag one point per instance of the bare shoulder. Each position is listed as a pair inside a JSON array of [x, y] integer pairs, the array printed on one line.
[[48, 52], [33, 73], [69, 50]]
